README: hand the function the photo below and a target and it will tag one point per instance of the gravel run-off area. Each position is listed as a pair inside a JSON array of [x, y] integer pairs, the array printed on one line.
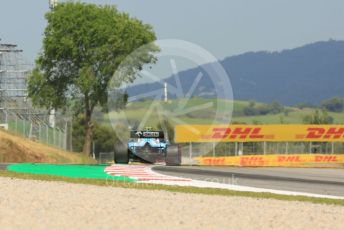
[[28, 204]]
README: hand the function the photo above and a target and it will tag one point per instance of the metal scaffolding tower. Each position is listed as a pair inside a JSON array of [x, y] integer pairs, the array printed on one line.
[[16, 112], [13, 78], [53, 4]]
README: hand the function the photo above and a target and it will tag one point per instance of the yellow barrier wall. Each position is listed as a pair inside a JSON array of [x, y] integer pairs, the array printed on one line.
[[295, 160], [259, 133]]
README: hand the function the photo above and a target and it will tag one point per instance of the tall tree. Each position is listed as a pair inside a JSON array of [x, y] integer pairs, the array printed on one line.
[[335, 104], [318, 118], [82, 47]]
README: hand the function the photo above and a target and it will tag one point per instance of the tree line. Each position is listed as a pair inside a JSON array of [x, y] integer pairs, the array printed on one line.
[[335, 105]]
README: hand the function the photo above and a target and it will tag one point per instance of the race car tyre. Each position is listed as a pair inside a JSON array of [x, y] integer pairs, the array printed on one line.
[[121, 154], [173, 155]]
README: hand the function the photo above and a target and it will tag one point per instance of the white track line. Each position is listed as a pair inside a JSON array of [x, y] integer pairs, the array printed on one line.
[[141, 173], [145, 174]]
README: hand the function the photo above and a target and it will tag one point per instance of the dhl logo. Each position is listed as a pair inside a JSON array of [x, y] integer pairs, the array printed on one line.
[[214, 161], [323, 133], [252, 161], [259, 133], [326, 159], [237, 133], [289, 159]]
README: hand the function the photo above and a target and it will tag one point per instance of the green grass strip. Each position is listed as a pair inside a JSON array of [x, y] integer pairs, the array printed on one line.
[[71, 171], [180, 189]]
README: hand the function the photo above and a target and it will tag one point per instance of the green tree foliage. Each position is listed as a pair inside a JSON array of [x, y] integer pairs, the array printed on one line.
[[318, 118], [304, 105], [83, 46], [104, 137], [335, 104], [118, 100], [253, 110], [251, 103]]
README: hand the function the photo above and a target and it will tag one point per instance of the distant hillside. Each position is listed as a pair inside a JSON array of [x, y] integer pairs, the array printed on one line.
[[307, 74], [135, 111]]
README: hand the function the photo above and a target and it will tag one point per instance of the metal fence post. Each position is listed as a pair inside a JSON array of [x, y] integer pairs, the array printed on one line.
[[61, 139], [58, 140], [30, 130], [286, 148], [39, 132], [213, 149], [47, 135], [236, 149], [264, 147], [6, 118], [190, 151], [71, 135], [65, 136], [54, 136], [16, 124], [93, 150], [58, 144], [24, 129]]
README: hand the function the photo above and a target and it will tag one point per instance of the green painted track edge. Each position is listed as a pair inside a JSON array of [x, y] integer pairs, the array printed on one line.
[[71, 171]]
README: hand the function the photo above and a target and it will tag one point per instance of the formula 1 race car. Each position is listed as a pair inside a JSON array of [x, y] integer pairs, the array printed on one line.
[[147, 147]]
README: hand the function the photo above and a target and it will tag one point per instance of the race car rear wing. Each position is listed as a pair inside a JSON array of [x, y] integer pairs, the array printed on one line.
[[146, 134]]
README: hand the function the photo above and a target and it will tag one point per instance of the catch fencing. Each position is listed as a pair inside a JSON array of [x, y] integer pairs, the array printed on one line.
[[35, 128]]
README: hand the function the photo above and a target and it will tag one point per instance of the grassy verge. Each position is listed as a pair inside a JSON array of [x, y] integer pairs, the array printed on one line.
[[15, 148], [181, 189]]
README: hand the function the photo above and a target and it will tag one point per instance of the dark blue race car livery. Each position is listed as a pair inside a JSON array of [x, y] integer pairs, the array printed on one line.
[[148, 147]]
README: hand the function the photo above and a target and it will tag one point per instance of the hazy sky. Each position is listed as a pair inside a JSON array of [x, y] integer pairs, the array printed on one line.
[[223, 27]]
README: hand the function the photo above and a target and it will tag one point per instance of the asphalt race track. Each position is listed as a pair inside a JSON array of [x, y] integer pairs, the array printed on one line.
[[324, 181], [311, 180], [3, 166]]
